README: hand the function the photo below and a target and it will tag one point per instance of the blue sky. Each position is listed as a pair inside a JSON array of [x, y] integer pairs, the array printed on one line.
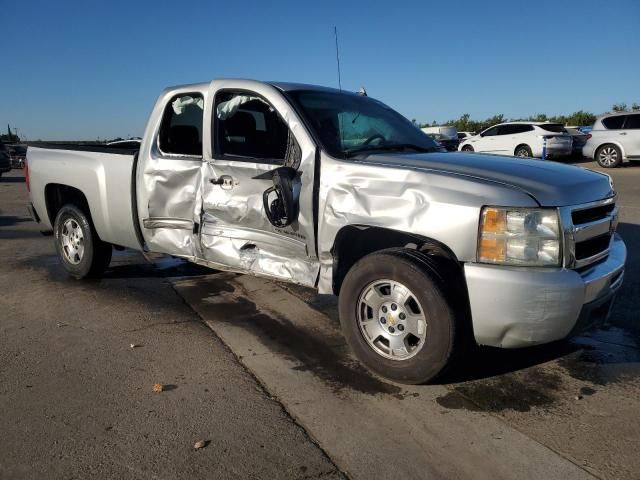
[[82, 70]]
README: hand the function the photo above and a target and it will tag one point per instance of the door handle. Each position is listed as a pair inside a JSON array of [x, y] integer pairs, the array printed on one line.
[[225, 182], [623, 133]]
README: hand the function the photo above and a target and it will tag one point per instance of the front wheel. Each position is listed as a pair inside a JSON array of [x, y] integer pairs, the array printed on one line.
[[467, 148], [79, 248], [396, 317]]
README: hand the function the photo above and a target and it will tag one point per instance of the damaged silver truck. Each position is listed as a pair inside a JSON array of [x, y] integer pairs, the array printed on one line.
[[428, 251]]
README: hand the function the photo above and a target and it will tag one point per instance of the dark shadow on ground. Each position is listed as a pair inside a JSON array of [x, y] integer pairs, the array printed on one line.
[[625, 311], [494, 380], [5, 179], [486, 362], [9, 220], [124, 265], [146, 270]]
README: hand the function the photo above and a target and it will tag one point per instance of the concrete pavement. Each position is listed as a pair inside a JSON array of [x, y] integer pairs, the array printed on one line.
[[275, 391], [76, 400]]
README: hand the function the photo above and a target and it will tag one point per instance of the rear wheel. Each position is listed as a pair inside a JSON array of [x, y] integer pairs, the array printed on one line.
[[80, 250], [609, 156], [523, 151], [467, 148], [396, 317]]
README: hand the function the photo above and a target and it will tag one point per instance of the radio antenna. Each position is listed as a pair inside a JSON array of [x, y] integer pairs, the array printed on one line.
[[335, 32]]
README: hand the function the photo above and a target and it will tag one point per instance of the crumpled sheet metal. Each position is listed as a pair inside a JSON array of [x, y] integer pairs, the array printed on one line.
[[235, 230], [168, 186], [440, 206], [431, 204], [172, 193], [268, 259]]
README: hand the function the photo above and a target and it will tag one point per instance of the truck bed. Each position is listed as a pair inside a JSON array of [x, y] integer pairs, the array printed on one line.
[[101, 173]]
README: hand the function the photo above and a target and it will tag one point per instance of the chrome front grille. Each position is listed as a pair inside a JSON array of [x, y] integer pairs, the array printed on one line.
[[588, 232]]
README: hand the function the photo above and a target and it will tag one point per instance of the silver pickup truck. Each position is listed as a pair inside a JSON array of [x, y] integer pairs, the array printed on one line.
[[428, 251]]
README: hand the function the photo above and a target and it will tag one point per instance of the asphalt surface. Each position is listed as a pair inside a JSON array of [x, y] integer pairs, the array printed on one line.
[[260, 371], [76, 401]]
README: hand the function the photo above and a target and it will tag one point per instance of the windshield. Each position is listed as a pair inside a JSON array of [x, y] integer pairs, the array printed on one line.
[[349, 125]]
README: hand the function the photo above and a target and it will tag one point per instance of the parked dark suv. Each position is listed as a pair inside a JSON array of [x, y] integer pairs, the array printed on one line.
[[5, 159]]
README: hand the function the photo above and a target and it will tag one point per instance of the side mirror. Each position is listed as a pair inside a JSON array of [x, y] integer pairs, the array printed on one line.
[[281, 202]]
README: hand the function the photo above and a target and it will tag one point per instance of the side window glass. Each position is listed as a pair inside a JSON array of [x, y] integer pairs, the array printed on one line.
[[633, 122], [505, 130], [491, 132], [181, 128], [521, 128], [248, 127], [614, 123]]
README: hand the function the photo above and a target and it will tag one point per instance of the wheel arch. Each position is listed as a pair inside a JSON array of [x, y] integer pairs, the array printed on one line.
[[522, 144], [57, 195], [609, 142], [353, 242]]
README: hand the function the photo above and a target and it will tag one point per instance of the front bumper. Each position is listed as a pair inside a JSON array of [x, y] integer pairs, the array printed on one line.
[[514, 307]]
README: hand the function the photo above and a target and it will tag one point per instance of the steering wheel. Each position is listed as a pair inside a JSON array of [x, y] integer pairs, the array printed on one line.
[[372, 138]]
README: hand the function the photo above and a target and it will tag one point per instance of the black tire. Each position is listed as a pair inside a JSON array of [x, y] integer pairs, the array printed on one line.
[[609, 156], [523, 151], [444, 335], [96, 254], [467, 148]]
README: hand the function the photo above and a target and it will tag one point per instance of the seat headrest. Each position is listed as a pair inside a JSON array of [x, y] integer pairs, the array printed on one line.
[[241, 123], [185, 138]]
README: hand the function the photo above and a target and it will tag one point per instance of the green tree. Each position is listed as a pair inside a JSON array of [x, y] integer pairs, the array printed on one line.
[[466, 124], [619, 107], [539, 117], [635, 107], [580, 118]]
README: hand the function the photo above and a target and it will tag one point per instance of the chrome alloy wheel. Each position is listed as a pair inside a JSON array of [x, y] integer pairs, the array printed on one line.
[[72, 241], [391, 319], [522, 152], [608, 156]]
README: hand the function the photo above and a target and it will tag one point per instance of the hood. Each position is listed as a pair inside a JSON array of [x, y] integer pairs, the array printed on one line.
[[551, 184]]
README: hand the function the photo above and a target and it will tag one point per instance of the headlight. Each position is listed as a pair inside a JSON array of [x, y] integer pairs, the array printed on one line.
[[519, 236]]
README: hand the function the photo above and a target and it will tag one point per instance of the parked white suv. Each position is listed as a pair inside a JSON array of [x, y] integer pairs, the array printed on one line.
[[613, 139], [521, 139]]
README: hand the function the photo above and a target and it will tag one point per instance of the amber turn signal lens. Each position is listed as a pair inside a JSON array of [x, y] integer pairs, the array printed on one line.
[[493, 220], [492, 250]]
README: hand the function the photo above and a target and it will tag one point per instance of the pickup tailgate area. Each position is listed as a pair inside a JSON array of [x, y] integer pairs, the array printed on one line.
[[102, 175]]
